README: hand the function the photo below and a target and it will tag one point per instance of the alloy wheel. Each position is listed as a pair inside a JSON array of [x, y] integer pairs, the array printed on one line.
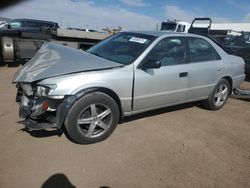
[[94, 120], [221, 95]]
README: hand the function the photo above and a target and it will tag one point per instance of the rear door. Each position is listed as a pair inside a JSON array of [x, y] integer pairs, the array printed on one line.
[[203, 69]]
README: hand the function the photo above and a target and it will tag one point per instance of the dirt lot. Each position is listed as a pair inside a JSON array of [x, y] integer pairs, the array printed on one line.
[[183, 146]]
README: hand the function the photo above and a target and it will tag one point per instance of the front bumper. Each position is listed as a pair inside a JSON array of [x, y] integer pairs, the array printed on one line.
[[32, 107], [25, 107], [34, 111], [37, 113], [34, 125]]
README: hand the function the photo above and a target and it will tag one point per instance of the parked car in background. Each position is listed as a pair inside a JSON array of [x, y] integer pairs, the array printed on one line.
[[128, 73], [240, 46], [2, 22], [21, 38], [26, 25]]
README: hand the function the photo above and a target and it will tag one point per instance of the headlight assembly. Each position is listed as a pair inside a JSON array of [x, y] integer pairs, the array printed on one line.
[[44, 90]]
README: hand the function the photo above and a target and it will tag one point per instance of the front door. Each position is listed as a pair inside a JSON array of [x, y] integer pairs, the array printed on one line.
[[164, 86]]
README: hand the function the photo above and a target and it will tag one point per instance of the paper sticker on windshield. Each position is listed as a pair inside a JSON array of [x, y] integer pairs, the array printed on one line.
[[138, 40]]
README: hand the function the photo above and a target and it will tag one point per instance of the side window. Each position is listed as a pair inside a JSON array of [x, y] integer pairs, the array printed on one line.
[[201, 50], [46, 25], [15, 24], [170, 51], [33, 24]]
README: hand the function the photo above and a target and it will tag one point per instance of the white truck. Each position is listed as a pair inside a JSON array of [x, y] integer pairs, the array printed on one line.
[[215, 28], [175, 26]]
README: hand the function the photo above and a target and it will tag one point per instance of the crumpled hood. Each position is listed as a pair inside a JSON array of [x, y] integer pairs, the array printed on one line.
[[54, 60]]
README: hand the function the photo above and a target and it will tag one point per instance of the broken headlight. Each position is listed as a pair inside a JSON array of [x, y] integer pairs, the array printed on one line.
[[26, 88], [44, 91]]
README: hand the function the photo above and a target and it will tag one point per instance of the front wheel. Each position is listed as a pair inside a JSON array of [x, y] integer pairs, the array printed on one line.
[[219, 96], [92, 118]]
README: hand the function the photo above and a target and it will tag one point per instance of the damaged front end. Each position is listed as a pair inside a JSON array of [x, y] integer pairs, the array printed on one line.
[[37, 107], [44, 87]]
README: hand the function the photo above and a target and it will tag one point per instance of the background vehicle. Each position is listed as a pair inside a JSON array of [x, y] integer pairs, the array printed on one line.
[[21, 38], [240, 46], [218, 30], [174, 26], [237, 44], [129, 73], [27, 25]]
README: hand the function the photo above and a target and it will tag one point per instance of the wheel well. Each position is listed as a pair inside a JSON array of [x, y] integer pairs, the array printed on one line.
[[108, 92], [230, 81]]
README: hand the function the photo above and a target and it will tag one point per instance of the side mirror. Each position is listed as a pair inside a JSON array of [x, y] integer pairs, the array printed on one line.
[[151, 64]]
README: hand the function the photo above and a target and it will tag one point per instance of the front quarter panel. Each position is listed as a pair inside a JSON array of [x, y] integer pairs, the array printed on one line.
[[119, 80]]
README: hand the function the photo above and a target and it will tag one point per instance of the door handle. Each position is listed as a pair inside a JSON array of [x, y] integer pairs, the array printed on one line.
[[183, 74]]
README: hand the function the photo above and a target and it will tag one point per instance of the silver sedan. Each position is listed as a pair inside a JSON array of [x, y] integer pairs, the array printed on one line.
[[88, 93]]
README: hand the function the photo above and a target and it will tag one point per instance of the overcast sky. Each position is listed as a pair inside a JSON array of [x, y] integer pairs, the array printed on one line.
[[129, 14]]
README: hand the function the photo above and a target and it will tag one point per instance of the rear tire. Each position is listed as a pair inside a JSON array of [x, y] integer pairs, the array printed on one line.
[[92, 118], [219, 96]]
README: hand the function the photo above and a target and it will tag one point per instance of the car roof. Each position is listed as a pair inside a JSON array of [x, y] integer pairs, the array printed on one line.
[[162, 33], [33, 20]]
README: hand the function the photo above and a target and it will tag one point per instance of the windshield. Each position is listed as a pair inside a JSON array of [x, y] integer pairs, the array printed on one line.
[[123, 48], [168, 26]]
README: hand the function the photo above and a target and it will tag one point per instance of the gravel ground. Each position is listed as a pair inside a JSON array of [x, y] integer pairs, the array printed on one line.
[[182, 146]]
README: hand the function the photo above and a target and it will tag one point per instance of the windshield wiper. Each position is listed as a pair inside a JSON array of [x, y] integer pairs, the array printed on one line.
[[96, 54]]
